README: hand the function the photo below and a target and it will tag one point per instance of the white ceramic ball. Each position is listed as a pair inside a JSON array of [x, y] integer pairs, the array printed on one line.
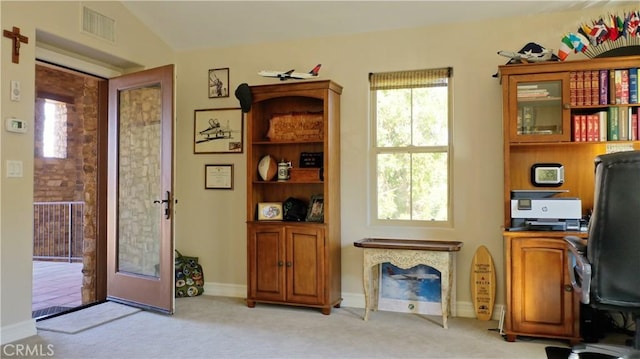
[[267, 168]]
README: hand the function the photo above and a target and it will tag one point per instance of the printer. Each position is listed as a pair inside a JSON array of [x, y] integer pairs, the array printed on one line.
[[539, 210]]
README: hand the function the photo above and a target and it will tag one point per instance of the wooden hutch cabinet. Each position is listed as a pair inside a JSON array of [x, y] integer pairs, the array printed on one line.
[[545, 108], [294, 262]]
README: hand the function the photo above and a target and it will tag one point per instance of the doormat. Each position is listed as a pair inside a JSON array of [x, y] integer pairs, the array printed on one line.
[[84, 319], [48, 311]]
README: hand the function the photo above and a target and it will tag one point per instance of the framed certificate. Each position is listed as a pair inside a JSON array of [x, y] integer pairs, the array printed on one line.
[[218, 176]]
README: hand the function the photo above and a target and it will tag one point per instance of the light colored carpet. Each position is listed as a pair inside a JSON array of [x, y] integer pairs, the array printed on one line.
[[84, 319], [223, 327]]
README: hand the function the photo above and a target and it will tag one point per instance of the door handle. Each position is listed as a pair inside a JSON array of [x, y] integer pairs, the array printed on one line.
[[167, 203]]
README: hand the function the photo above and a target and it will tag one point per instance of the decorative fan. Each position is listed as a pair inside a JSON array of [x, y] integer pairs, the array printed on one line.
[[608, 36]]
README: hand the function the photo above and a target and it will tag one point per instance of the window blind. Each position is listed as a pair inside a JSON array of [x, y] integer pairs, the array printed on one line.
[[410, 79]]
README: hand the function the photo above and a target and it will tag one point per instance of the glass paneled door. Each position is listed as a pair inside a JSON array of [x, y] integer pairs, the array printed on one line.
[[139, 233]]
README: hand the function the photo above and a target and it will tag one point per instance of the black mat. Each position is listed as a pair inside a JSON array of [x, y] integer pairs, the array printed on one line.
[[563, 353], [49, 311]]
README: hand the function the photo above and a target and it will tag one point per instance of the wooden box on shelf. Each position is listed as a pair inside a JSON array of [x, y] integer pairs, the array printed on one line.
[[305, 174]]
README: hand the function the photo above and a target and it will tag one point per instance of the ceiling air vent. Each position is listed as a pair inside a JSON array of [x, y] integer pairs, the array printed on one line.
[[98, 25]]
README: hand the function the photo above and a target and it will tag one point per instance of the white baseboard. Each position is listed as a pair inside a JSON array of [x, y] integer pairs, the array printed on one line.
[[351, 300], [225, 290], [18, 331]]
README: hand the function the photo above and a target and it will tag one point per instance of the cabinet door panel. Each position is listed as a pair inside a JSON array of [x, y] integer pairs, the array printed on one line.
[[540, 302], [268, 264], [305, 257]]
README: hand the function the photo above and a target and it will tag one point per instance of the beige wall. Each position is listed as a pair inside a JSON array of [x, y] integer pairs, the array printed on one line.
[[210, 223], [60, 19]]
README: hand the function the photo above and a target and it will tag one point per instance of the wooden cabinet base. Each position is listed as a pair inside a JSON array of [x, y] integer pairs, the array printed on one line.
[[326, 309]]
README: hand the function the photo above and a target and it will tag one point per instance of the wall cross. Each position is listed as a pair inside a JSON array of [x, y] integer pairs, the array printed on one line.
[[17, 39]]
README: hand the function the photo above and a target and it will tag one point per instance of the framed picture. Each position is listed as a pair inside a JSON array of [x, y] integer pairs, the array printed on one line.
[[217, 130], [218, 176], [316, 209], [219, 82], [421, 294], [270, 211]]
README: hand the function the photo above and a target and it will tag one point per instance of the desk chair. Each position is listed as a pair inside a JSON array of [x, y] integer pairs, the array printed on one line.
[[605, 270]]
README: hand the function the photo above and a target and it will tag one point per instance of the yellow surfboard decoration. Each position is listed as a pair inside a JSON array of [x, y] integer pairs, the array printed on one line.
[[483, 283]]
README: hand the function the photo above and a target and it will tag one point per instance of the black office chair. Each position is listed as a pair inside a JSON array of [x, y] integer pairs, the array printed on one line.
[[606, 271]]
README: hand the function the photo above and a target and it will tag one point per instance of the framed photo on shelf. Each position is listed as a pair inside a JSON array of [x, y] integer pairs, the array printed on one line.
[[316, 209], [270, 211], [218, 130], [218, 176], [219, 82]]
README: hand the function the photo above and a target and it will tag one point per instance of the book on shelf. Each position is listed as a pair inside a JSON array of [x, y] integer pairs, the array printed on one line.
[[624, 87], [577, 128], [612, 124], [586, 88], [623, 123], [602, 118], [593, 128], [634, 125], [633, 85], [595, 87], [573, 95], [580, 88], [604, 87], [612, 87]]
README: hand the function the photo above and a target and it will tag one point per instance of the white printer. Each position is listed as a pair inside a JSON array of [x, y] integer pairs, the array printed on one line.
[[539, 210]]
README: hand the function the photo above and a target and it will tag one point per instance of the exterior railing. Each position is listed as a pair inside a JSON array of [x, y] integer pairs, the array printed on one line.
[[58, 230]]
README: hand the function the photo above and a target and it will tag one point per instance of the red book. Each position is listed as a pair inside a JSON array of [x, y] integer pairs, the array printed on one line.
[[576, 128], [583, 128]]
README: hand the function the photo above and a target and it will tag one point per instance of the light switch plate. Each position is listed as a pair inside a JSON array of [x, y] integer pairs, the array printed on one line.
[[14, 168], [15, 90]]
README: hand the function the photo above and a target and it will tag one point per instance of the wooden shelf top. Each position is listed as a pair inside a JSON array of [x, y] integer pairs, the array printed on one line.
[[414, 244]]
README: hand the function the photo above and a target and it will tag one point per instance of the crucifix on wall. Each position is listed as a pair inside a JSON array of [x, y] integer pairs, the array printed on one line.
[[17, 38]]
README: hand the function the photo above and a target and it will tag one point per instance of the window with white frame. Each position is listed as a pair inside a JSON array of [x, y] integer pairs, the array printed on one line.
[[411, 147], [54, 132]]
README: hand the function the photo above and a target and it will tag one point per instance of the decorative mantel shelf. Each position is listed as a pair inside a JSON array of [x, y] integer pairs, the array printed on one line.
[[405, 253]]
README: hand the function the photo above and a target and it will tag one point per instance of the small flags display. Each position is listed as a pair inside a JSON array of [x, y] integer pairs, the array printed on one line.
[[602, 35]]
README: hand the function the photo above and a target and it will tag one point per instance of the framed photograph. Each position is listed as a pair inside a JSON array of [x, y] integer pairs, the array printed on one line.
[[219, 82], [270, 211], [218, 130], [414, 290], [218, 176], [316, 209]]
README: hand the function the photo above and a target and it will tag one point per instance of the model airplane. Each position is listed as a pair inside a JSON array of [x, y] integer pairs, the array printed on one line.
[[286, 75], [528, 56], [411, 276]]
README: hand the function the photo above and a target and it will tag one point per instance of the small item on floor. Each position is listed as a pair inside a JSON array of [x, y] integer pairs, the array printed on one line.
[[189, 276]]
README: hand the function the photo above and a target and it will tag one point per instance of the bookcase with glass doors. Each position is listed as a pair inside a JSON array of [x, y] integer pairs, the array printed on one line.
[[549, 114]]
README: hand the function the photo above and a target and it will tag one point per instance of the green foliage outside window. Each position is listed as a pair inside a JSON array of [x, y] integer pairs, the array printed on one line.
[[412, 153]]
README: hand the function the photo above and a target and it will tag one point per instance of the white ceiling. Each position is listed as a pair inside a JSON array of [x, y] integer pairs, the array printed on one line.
[[190, 25]]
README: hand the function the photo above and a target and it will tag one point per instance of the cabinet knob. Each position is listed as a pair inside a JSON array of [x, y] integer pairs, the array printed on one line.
[[280, 263], [289, 264], [568, 288], [566, 106]]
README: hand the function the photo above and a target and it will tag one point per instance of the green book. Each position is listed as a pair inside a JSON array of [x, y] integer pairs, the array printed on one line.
[[613, 132]]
